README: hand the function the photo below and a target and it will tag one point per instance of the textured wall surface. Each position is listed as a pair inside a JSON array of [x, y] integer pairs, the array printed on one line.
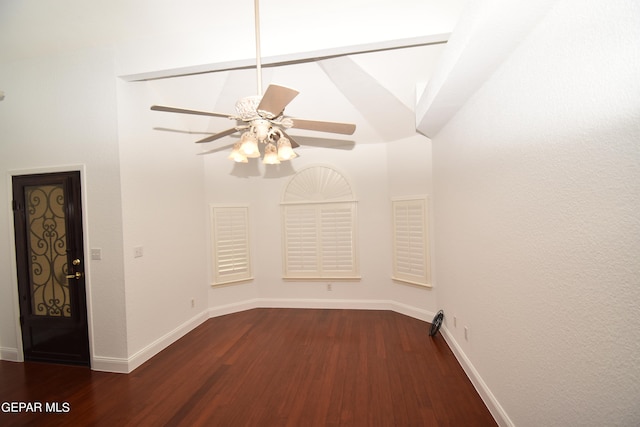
[[537, 194]]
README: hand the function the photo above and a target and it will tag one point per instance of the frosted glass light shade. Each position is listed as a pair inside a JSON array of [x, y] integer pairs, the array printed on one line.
[[236, 155], [270, 155], [249, 145], [285, 152]]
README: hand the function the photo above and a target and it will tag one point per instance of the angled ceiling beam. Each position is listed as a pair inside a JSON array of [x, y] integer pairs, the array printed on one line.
[[485, 36], [391, 119], [293, 58]]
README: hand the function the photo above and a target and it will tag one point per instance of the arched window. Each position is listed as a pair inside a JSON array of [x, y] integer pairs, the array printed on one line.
[[319, 226]]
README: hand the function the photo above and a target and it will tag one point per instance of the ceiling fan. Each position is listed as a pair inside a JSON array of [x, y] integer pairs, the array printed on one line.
[[261, 119]]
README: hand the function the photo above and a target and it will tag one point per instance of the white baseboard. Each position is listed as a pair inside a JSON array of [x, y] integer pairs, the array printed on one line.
[[10, 354], [222, 310], [487, 397], [349, 304], [296, 303], [125, 366], [110, 364], [346, 304], [411, 311]]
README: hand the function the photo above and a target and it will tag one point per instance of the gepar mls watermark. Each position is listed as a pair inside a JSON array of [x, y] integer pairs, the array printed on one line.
[[35, 407]]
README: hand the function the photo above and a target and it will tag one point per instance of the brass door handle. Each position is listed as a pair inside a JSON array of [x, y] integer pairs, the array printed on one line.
[[77, 275]]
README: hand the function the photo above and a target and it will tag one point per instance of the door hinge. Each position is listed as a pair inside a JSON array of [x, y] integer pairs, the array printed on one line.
[[17, 206], [21, 320]]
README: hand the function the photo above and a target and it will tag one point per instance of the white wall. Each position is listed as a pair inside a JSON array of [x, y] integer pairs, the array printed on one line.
[[60, 113], [537, 191], [163, 214], [369, 180], [410, 174], [367, 169], [378, 172], [70, 111]]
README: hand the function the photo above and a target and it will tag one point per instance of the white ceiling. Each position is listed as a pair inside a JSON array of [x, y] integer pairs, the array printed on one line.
[[154, 35], [372, 82]]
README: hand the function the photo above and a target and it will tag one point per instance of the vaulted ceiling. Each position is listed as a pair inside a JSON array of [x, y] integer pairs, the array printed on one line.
[[351, 61], [377, 91]]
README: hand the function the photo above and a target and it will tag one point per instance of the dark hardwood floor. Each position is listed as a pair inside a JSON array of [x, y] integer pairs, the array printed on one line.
[[265, 367]]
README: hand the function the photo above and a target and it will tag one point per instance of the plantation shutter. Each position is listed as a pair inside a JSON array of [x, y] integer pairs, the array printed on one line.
[[230, 229], [319, 226], [336, 240], [301, 235], [410, 242], [319, 240]]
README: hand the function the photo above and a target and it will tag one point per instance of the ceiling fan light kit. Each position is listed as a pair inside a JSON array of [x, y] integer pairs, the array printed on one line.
[[262, 131], [236, 155], [264, 120]]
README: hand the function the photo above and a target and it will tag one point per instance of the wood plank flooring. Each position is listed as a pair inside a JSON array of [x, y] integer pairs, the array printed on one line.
[[265, 367]]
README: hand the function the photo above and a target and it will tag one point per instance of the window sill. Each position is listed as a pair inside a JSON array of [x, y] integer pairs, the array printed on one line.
[[321, 279], [411, 282], [232, 282]]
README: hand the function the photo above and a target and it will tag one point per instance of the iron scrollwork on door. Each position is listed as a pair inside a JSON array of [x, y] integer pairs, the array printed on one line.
[[46, 222]]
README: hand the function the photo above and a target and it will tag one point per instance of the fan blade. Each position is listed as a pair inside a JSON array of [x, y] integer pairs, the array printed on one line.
[[333, 127], [217, 135], [294, 143], [190, 132], [338, 144], [274, 100], [184, 111]]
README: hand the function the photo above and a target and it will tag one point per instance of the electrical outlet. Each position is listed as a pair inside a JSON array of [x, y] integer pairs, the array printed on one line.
[[329, 287], [455, 322], [466, 333], [193, 302]]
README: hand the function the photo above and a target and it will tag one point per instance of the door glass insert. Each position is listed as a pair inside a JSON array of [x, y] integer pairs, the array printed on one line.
[[46, 228]]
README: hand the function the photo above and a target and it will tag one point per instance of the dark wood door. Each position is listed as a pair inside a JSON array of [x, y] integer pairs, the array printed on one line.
[[50, 267]]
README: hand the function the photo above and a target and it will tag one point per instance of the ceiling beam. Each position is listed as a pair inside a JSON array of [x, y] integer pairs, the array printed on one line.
[[294, 58], [486, 35]]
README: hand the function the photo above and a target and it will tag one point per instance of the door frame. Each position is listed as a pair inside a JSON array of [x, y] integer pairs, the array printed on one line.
[[12, 247]]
